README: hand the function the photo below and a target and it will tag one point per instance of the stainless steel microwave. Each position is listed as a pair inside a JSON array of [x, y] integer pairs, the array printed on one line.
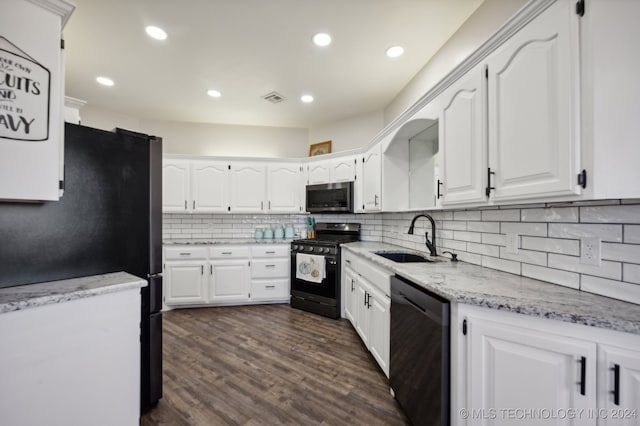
[[330, 198]]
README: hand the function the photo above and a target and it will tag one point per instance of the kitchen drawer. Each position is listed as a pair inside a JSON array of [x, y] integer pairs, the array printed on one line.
[[185, 253], [271, 289], [228, 252], [351, 260], [270, 268], [376, 275], [271, 250]]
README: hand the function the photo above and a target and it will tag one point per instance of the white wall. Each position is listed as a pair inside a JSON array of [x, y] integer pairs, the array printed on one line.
[[478, 28], [205, 138], [350, 133]]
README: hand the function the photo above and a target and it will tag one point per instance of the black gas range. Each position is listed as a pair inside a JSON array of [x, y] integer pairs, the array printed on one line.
[[315, 268]]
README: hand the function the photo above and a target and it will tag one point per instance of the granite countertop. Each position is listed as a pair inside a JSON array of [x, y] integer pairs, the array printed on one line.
[[40, 294], [474, 285], [202, 241]]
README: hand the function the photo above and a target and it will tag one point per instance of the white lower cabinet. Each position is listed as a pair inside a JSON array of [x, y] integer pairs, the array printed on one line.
[[226, 274], [511, 368], [366, 295]]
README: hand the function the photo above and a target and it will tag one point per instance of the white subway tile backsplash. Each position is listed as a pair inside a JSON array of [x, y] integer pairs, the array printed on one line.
[[629, 253], [631, 273], [501, 215], [466, 215], [531, 229], [551, 245], [606, 269], [525, 256], [454, 225], [453, 244], [610, 288], [484, 227], [473, 258], [501, 264], [485, 249], [556, 276], [631, 234], [495, 239], [611, 214], [475, 237], [611, 233], [552, 214]]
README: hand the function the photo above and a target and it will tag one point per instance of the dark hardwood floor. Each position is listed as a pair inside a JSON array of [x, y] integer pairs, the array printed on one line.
[[268, 365]]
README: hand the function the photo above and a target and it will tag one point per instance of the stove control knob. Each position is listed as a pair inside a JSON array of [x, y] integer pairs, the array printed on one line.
[[311, 249], [327, 250], [294, 247]]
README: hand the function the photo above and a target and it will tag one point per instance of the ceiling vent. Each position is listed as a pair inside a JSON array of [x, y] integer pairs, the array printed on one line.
[[274, 97]]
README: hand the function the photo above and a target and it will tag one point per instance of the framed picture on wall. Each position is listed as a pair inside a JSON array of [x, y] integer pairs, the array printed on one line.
[[320, 148]]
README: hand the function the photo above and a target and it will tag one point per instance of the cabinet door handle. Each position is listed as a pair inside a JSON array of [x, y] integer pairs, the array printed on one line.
[[439, 185], [353, 287], [185, 254], [227, 252], [375, 201], [368, 300], [269, 286], [488, 189], [201, 269], [185, 204], [583, 375], [269, 266], [269, 204], [365, 298], [347, 261], [261, 205], [616, 384], [194, 204], [269, 252], [211, 269]]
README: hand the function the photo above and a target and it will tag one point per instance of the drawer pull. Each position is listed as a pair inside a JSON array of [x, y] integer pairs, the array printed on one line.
[[269, 286], [347, 261], [269, 252], [269, 266], [227, 252], [185, 254]]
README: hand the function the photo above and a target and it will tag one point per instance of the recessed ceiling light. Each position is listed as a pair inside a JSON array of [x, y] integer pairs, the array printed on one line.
[[105, 81], [322, 39], [214, 93], [306, 98], [155, 32], [395, 51]]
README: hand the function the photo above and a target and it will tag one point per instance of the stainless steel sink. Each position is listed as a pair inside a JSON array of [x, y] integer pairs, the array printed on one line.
[[402, 257]]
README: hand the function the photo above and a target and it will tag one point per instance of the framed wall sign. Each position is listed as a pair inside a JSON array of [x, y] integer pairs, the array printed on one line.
[[320, 148]]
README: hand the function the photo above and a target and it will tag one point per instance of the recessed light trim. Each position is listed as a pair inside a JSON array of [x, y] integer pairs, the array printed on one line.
[[322, 39], [105, 81], [214, 93], [156, 32], [395, 51], [306, 98]]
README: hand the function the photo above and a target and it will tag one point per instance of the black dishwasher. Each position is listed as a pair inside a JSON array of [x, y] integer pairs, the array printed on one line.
[[419, 353]]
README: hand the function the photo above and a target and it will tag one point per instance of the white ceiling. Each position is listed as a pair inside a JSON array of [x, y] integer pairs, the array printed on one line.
[[248, 48]]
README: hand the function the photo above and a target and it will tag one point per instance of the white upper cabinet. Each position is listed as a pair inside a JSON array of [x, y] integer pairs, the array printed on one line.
[[319, 172], [284, 181], [248, 187], [462, 140], [343, 169], [209, 186], [372, 179], [533, 113], [175, 186], [32, 97]]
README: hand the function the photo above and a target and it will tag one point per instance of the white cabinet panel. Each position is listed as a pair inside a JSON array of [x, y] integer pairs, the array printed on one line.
[[361, 310], [209, 186], [349, 284], [462, 139], [515, 367], [271, 290], [343, 169], [248, 186], [175, 185], [269, 268], [379, 339], [284, 181], [319, 172], [185, 283], [619, 382], [533, 111], [372, 179], [31, 121], [229, 280]]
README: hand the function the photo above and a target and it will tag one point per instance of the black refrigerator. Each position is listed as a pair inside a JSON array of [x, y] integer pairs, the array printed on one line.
[[109, 219]]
